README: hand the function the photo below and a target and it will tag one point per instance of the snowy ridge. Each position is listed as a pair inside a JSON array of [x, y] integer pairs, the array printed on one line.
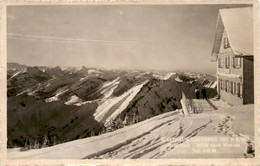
[[83, 78], [30, 92], [107, 90], [131, 94], [164, 77], [93, 71], [168, 75], [17, 73], [73, 100], [111, 107], [214, 85], [109, 87], [56, 97], [63, 68], [178, 79], [109, 83], [83, 103], [158, 76], [25, 91], [211, 84]]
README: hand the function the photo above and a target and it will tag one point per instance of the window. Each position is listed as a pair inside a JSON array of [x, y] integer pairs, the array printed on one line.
[[221, 62], [236, 62], [227, 62], [226, 43], [226, 85]]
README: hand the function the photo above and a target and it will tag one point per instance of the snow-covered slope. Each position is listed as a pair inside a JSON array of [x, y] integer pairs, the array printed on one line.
[[108, 88], [211, 84], [178, 79], [168, 75], [73, 100], [17, 73], [169, 135], [110, 107], [163, 77]]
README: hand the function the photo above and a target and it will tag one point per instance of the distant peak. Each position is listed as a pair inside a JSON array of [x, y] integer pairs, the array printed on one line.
[[57, 68], [83, 68]]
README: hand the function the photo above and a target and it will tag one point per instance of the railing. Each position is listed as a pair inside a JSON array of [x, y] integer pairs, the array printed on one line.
[[189, 107]]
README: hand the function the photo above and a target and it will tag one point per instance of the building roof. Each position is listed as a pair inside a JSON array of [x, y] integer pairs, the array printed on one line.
[[238, 24]]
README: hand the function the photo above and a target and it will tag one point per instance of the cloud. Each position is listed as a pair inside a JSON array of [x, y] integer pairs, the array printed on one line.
[[71, 40]]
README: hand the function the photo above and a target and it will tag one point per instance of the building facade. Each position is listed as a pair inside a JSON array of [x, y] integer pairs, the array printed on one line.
[[233, 52]]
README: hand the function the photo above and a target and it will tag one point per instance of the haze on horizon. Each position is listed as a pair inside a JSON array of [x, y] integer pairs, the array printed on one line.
[[142, 37]]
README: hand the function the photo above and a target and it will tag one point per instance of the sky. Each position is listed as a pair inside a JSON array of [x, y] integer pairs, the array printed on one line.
[[138, 37]]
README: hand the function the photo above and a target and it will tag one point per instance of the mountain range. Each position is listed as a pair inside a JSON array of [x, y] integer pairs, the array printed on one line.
[[48, 106]]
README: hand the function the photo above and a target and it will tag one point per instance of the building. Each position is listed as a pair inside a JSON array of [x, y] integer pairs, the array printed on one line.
[[233, 52]]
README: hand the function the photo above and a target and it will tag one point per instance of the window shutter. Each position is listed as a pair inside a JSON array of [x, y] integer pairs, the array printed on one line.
[[225, 61], [228, 62], [228, 86], [231, 87], [223, 84], [238, 89], [219, 83], [241, 90], [232, 62], [239, 62], [234, 86]]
